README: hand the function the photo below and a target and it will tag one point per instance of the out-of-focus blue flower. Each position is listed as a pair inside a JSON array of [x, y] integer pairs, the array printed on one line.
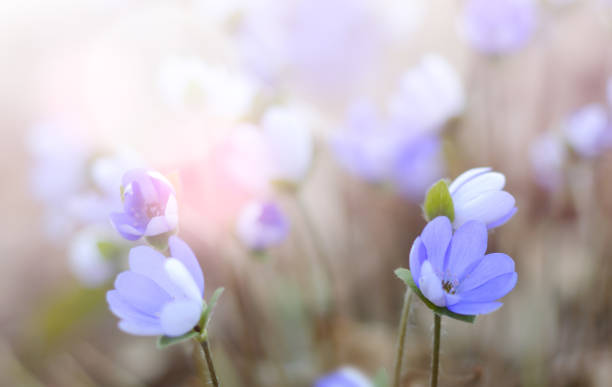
[[429, 94], [159, 295], [453, 271], [86, 260], [379, 151], [261, 225], [289, 142], [548, 154], [344, 377], [477, 195], [588, 130], [498, 26], [149, 205]]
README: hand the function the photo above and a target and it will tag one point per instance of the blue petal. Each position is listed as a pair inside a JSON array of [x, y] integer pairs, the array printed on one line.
[[491, 290], [491, 266], [149, 262], [141, 292], [431, 286], [141, 328], [487, 208], [475, 308], [503, 219], [490, 181], [181, 251], [125, 311], [418, 255], [436, 237], [467, 248], [179, 317], [126, 226]]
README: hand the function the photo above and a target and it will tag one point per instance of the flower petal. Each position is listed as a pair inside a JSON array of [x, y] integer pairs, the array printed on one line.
[[431, 286], [436, 237], [158, 225], [180, 316], [182, 278], [124, 225], [149, 262], [489, 207], [418, 255], [490, 181], [181, 251], [475, 308], [141, 328], [491, 290], [467, 247], [141, 292], [491, 266], [503, 219], [466, 176], [125, 311]]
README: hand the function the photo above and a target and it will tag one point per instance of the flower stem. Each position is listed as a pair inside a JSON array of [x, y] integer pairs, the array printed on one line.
[[402, 337], [435, 357], [209, 363]]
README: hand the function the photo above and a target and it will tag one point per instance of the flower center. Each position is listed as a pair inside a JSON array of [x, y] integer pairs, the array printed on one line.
[[153, 210], [448, 286]]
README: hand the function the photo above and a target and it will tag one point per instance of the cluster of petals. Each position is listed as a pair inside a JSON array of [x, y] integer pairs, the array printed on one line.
[[452, 270], [344, 377]]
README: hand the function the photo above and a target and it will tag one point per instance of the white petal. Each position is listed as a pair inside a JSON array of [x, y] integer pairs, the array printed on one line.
[[490, 181], [181, 277], [180, 316], [431, 286], [465, 176]]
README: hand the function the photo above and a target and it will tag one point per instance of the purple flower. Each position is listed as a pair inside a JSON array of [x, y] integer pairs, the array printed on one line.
[[159, 295], [344, 377], [498, 26], [261, 224], [149, 205], [548, 154], [453, 271], [477, 195], [588, 130]]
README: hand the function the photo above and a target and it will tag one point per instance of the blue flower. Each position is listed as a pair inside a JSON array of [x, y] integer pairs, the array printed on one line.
[[159, 295], [498, 26], [149, 205], [344, 377], [453, 271], [588, 130], [477, 195], [261, 225]]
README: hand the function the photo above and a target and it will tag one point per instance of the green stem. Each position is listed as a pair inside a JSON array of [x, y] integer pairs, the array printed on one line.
[[209, 363], [435, 358], [402, 338]]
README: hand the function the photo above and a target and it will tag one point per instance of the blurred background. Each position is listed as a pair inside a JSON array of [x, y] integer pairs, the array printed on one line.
[[335, 116]]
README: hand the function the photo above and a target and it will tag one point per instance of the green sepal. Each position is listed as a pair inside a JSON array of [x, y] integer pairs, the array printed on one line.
[[406, 276], [108, 250], [209, 308], [166, 341], [381, 378], [438, 202]]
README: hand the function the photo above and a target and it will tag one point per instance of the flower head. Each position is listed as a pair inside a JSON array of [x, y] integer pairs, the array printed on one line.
[[344, 377], [149, 205], [453, 271], [498, 26], [86, 259], [588, 130], [477, 195], [548, 154], [261, 224], [159, 295]]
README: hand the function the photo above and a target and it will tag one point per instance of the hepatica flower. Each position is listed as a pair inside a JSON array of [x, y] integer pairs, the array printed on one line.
[[588, 130], [452, 270], [498, 26], [149, 205], [344, 377], [261, 225], [477, 195], [159, 295]]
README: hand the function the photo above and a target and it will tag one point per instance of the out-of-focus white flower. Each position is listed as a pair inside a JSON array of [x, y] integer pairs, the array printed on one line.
[[190, 83], [346, 376], [289, 140], [588, 130], [261, 225], [548, 153], [429, 94], [86, 260]]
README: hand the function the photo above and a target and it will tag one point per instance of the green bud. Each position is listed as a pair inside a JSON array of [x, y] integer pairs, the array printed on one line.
[[438, 202]]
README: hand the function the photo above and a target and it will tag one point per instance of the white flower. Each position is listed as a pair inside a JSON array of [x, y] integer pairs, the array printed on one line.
[[85, 258], [477, 195]]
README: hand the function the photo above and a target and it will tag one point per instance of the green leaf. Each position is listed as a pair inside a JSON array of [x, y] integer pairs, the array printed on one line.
[[108, 250], [165, 341], [438, 202], [210, 307], [406, 276]]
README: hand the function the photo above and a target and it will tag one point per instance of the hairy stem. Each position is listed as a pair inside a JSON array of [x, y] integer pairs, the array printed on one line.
[[401, 338], [209, 364], [435, 357]]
